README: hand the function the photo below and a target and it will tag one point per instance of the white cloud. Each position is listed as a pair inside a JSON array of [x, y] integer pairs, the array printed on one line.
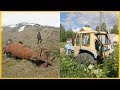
[[80, 19], [85, 22], [76, 30], [43, 18]]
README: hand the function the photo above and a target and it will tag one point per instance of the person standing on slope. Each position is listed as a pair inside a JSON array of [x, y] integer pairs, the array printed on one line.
[[39, 38]]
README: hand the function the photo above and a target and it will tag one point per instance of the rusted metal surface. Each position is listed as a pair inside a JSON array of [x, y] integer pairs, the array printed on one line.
[[20, 50]]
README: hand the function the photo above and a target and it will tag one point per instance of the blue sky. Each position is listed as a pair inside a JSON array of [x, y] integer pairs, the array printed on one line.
[[77, 20]]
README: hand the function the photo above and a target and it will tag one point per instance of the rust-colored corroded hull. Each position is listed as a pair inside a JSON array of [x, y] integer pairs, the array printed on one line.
[[21, 51]]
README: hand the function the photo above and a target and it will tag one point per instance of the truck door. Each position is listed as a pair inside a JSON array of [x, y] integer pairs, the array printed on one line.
[[106, 44], [77, 44]]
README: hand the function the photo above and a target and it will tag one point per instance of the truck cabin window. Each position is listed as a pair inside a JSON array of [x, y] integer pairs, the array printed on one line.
[[104, 39], [85, 39]]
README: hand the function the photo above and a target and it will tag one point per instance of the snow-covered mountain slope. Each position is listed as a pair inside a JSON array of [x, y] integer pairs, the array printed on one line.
[[23, 26]]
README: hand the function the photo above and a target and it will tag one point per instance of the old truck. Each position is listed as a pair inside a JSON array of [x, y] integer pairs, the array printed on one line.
[[91, 46]]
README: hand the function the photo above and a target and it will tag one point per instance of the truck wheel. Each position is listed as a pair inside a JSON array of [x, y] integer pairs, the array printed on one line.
[[85, 57]]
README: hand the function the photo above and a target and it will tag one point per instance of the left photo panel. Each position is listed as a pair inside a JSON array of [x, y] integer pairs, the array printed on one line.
[[30, 44]]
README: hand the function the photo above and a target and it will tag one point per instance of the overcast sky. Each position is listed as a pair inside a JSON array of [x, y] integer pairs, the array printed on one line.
[[76, 20], [43, 18]]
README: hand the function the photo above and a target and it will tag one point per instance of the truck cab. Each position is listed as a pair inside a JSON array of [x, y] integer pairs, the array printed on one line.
[[94, 43]]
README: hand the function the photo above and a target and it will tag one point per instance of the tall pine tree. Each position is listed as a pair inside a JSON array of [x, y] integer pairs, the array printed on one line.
[[62, 34]]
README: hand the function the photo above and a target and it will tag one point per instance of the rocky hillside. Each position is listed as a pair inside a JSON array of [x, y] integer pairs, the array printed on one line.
[[26, 32]]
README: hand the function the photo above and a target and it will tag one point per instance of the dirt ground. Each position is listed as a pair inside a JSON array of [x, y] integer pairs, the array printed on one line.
[[13, 68], [62, 50]]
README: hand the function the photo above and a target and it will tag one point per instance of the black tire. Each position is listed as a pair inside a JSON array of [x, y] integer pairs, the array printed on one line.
[[85, 57]]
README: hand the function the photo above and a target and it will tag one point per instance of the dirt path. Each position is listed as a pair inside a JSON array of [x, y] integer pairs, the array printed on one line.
[[62, 50]]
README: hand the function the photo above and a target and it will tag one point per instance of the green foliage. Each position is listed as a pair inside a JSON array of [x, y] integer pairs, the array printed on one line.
[[111, 64], [69, 33], [97, 28], [87, 25], [73, 69], [102, 28], [64, 34], [114, 29]]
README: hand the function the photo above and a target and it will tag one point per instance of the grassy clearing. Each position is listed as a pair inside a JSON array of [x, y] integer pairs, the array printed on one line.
[[72, 69]]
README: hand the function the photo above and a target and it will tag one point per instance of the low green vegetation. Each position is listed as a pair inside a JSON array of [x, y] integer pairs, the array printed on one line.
[[73, 69]]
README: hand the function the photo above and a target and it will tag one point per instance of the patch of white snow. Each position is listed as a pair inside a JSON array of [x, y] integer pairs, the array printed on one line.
[[21, 29]]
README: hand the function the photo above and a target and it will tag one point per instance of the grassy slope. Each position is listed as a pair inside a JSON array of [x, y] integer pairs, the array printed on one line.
[[13, 68]]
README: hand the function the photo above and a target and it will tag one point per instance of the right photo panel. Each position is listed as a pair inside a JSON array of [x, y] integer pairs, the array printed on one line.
[[89, 46]]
